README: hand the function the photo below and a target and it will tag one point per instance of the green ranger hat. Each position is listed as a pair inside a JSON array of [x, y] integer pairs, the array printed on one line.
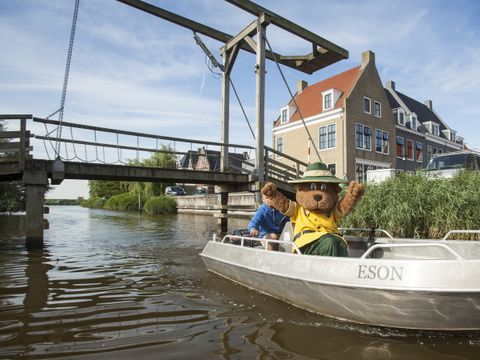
[[318, 172]]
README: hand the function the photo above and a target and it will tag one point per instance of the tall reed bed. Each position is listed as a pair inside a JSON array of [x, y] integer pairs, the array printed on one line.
[[417, 206]]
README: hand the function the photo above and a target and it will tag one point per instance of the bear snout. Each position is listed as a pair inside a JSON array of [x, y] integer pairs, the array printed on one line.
[[317, 197]]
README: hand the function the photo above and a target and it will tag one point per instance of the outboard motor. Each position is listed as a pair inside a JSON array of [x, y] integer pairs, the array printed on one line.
[[241, 233]]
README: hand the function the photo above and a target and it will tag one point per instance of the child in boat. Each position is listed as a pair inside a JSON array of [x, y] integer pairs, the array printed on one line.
[[267, 223]]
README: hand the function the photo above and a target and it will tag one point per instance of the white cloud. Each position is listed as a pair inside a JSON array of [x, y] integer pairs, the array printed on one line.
[[134, 71]]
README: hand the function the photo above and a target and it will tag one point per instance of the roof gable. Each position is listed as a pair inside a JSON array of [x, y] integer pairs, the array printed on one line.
[[310, 101]]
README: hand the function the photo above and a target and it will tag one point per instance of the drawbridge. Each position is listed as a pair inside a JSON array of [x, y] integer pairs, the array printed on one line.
[[78, 151]]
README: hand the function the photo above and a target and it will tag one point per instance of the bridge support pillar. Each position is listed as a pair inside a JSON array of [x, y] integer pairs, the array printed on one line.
[[222, 215], [35, 185]]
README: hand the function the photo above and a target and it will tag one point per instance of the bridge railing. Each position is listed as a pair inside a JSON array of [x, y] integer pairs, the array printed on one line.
[[15, 144], [280, 170], [94, 144], [88, 143]]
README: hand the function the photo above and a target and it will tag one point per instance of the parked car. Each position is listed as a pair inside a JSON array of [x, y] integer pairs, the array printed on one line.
[[448, 164], [201, 191], [175, 190]]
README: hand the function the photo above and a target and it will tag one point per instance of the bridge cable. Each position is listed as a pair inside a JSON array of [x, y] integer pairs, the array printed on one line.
[[215, 64], [293, 98], [66, 76]]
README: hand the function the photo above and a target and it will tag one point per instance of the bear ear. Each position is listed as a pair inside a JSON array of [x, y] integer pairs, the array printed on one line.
[[337, 188]]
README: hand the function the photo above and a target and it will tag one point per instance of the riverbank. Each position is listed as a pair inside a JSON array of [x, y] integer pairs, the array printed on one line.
[[240, 205]]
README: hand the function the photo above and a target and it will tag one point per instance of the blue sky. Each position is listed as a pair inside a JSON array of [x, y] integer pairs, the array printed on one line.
[[133, 71]]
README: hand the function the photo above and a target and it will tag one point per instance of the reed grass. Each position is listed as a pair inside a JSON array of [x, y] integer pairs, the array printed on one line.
[[417, 206], [160, 205]]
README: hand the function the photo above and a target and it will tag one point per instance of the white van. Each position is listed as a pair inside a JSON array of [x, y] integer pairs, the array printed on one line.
[[448, 164]]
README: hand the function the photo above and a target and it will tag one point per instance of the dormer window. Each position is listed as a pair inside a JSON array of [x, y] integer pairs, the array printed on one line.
[[413, 121], [433, 128], [330, 98], [367, 105], [401, 117], [284, 115], [327, 101], [453, 136], [450, 134]]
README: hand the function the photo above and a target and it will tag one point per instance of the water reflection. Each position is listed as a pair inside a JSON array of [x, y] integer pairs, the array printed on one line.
[[114, 285]]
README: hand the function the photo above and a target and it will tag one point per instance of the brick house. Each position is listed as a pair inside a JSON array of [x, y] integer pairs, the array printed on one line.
[[349, 118], [420, 132]]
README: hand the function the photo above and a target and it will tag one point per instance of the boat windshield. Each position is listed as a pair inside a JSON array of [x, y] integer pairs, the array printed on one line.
[[454, 161]]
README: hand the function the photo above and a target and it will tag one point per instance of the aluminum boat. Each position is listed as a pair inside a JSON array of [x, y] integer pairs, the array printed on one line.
[[401, 283]]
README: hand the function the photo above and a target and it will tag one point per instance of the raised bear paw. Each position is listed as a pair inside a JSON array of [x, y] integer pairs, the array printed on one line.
[[269, 190]]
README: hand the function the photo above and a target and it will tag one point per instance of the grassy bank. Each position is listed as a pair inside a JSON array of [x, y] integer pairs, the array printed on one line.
[[416, 206], [131, 202]]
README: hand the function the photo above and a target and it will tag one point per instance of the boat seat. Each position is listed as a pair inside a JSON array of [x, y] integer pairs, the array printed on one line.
[[286, 235]]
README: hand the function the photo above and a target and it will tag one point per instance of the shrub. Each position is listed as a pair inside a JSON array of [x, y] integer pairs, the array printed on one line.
[[123, 202], [93, 203], [160, 205]]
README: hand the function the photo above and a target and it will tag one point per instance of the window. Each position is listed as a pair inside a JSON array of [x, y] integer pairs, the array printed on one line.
[[280, 145], [327, 101], [331, 135], [377, 109], [363, 137], [413, 123], [327, 137], [436, 129], [381, 141], [400, 117], [429, 152], [367, 105], [409, 149], [419, 152], [332, 168], [400, 147], [284, 116], [453, 136], [361, 171]]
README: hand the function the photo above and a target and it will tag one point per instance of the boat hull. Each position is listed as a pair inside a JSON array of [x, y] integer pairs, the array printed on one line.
[[387, 294]]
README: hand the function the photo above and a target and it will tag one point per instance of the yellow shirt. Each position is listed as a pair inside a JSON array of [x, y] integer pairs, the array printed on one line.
[[319, 223]]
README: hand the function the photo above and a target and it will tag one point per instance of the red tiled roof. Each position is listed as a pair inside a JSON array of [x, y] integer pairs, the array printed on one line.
[[310, 100]]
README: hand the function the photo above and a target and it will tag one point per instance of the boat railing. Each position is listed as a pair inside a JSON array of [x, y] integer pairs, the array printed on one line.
[[418, 245], [460, 232], [264, 242], [365, 229]]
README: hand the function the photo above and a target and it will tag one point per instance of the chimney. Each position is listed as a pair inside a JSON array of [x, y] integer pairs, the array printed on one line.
[[367, 57], [428, 103], [301, 85], [390, 84]]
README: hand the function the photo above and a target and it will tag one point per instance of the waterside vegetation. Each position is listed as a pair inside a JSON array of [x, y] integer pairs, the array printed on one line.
[[418, 206], [134, 196]]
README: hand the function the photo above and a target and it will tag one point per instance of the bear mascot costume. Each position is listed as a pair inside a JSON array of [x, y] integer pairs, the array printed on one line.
[[317, 211]]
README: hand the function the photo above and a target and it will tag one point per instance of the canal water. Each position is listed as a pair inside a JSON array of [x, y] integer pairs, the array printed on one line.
[[113, 285]]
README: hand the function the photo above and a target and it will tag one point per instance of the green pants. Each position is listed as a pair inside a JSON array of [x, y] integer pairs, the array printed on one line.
[[326, 245]]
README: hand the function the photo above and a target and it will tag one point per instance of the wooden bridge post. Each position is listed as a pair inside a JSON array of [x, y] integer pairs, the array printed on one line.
[[262, 23], [35, 185], [222, 216]]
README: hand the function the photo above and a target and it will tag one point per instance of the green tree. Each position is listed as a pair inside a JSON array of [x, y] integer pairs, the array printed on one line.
[[106, 189], [164, 159]]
